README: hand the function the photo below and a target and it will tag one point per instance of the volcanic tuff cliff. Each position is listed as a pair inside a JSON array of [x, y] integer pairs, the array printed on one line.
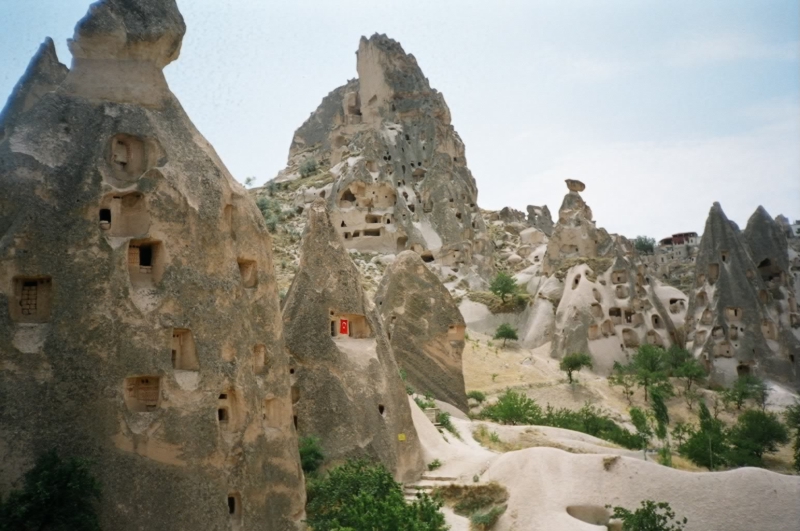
[[743, 309], [398, 173], [140, 319], [425, 328], [346, 385]]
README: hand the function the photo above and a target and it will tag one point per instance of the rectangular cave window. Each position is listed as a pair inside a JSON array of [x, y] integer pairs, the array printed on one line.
[[184, 353], [142, 393], [372, 218], [31, 300], [105, 215], [222, 414], [235, 510], [372, 232]]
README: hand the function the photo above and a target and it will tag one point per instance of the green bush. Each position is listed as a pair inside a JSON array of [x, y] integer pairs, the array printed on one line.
[[271, 210], [792, 416], [505, 331], [433, 465], [708, 445], [503, 285], [746, 387], [308, 167], [424, 403], [754, 434], [311, 456], [443, 419], [651, 516], [575, 362], [57, 495], [362, 496], [477, 395], [513, 407], [485, 521]]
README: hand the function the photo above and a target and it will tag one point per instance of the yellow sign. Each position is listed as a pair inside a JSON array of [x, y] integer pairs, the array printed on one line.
[[401, 436]]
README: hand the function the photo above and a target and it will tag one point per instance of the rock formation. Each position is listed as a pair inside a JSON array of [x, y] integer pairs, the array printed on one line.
[[575, 235], [396, 166], [140, 319], [346, 386], [540, 218], [425, 328], [743, 310]]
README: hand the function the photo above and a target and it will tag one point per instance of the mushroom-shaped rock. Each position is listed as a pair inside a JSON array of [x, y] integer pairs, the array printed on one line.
[[426, 329], [574, 185], [346, 385]]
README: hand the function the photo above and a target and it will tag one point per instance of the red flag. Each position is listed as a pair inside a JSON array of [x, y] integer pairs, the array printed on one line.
[[344, 327]]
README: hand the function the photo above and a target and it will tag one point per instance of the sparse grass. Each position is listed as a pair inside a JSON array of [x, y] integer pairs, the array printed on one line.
[[443, 419], [467, 500], [484, 521], [491, 440], [477, 395]]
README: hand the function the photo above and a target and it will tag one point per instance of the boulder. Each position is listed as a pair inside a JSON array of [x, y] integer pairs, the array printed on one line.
[[425, 327]]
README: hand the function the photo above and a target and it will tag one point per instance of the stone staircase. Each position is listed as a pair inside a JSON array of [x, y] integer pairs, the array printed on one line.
[[426, 484]]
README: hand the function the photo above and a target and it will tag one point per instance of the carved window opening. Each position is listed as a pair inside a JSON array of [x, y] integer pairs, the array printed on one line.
[[145, 262], [372, 218], [372, 232], [142, 393], [127, 155], [32, 299], [105, 218], [382, 410], [184, 352], [576, 281], [259, 358], [619, 277], [713, 273]]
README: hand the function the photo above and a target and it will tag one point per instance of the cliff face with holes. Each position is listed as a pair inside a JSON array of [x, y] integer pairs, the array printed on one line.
[[139, 317], [397, 169], [743, 310], [346, 385], [425, 328]]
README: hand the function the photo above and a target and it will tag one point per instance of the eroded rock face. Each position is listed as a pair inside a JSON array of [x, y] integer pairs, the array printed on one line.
[[346, 385], [540, 218], [743, 308], [425, 328], [398, 168], [140, 319]]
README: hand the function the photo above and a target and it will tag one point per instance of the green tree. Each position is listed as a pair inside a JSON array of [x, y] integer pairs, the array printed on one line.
[[271, 210], [745, 387], [502, 285], [575, 362], [643, 429], [754, 434], [513, 407], [505, 332], [311, 456], [660, 412], [649, 366], [56, 495], [644, 244], [681, 432], [651, 516], [792, 416], [675, 357], [359, 495], [623, 376], [691, 372], [248, 182], [707, 446]]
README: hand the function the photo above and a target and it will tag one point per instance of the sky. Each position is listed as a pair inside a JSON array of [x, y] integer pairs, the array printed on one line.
[[660, 108]]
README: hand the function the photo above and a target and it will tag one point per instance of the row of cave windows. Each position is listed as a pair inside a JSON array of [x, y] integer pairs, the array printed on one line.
[[768, 330], [32, 296], [768, 272]]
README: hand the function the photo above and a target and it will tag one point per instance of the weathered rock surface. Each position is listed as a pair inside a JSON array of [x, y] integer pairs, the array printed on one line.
[[539, 217], [140, 319], [346, 385], [425, 327], [743, 311], [397, 166]]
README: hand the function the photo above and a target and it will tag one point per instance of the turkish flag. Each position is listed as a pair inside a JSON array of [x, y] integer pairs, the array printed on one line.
[[344, 327]]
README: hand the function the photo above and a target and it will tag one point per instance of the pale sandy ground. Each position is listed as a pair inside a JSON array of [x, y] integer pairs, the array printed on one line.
[[564, 469]]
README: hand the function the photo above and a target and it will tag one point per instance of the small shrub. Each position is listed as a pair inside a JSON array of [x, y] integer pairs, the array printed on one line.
[[308, 167], [644, 244], [359, 495], [56, 494], [433, 465], [513, 407], [311, 456], [271, 210], [477, 395], [754, 434], [484, 521], [443, 419], [423, 403], [651, 516], [469, 499]]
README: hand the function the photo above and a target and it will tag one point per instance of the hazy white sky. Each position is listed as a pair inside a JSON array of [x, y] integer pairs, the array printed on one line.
[[661, 108]]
